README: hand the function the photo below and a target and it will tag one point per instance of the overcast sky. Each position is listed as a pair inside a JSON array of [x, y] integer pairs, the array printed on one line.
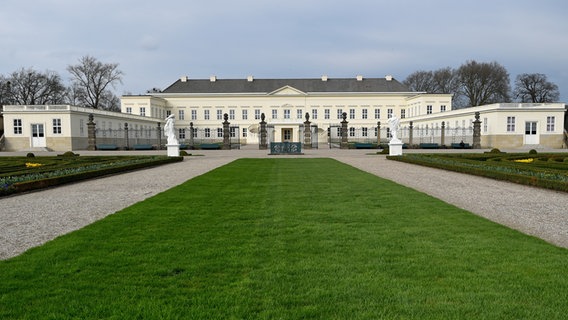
[[156, 42]]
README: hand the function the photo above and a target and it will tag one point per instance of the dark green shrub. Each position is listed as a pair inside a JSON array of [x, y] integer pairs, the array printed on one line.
[[30, 155], [184, 153], [532, 151], [68, 154], [495, 150], [384, 151]]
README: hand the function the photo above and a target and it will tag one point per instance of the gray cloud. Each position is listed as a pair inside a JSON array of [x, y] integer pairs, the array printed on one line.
[[155, 43]]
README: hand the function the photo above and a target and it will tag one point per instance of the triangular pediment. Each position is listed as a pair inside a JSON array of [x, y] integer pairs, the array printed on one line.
[[287, 91]]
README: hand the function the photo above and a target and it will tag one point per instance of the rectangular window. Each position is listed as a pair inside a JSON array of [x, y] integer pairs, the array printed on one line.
[[442, 108], [351, 131], [286, 114], [82, 127], [232, 114], [219, 114], [364, 132], [274, 114], [428, 109], [206, 115], [129, 110], [326, 113], [339, 113], [351, 113], [299, 113], [485, 126], [181, 134], [245, 114], [207, 133], [181, 114], [193, 114], [314, 114], [219, 132], [364, 114], [377, 113], [256, 114], [17, 126], [168, 113], [245, 132], [550, 124], [403, 113], [143, 111], [389, 113], [233, 132], [56, 126], [510, 124]]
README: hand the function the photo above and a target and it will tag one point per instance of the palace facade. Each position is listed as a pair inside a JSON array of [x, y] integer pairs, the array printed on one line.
[[367, 103]]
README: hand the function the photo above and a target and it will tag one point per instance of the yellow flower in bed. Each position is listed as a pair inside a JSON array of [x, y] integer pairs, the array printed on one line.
[[525, 160], [33, 165]]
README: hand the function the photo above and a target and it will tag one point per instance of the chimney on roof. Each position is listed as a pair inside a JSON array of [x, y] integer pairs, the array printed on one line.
[[250, 78], [388, 77], [213, 78], [359, 77], [184, 79], [324, 78]]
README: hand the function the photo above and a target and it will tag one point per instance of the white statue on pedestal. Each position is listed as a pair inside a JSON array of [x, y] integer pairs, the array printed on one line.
[[394, 125], [169, 130]]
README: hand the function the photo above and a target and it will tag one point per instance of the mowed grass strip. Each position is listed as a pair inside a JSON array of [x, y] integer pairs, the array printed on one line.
[[288, 239]]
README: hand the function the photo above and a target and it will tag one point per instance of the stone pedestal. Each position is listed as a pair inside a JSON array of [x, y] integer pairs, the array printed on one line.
[[173, 150], [395, 147]]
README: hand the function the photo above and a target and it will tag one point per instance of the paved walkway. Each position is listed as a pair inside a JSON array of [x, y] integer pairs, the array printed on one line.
[[31, 219]]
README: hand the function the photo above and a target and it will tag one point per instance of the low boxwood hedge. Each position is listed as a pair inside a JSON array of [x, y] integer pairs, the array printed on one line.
[[112, 168], [517, 168]]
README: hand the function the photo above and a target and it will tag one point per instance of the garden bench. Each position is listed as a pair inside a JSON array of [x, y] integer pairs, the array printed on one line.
[[142, 147], [107, 147], [429, 146], [460, 146], [209, 146], [360, 145]]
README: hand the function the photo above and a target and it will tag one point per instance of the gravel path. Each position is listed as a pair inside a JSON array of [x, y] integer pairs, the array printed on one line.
[[31, 219]]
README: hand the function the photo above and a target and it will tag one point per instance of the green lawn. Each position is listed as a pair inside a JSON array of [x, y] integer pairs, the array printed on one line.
[[288, 239]]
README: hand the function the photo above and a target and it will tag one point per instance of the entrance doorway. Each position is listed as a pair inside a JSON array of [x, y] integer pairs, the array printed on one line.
[[287, 134], [531, 136], [38, 135]]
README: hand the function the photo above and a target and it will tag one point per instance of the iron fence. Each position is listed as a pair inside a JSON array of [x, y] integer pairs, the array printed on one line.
[[127, 138]]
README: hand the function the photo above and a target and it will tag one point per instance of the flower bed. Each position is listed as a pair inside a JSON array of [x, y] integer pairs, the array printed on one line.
[[19, 174], [545, 170]]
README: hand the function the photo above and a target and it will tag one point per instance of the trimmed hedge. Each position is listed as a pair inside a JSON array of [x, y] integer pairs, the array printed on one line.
[[75, 177], [544, 174]]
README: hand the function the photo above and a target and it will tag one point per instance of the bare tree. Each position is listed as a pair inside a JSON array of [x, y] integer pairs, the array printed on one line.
[[443, 80], [5, 90], [483, 83], [420, 81], [28, 86], [534, 87], [446, 81], [93, 79]]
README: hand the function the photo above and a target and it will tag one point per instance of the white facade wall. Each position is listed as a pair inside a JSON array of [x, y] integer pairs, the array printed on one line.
[[289, 107], [495, 131], [73, 132]]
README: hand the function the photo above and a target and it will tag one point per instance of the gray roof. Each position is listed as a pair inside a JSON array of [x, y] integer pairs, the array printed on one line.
[[374, 85]]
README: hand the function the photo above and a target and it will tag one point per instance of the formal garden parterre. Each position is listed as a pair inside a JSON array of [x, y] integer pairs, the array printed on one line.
[[20, 174], [545, 170]]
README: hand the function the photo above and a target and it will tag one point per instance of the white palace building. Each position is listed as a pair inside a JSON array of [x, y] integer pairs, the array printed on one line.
[[367, 103]]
